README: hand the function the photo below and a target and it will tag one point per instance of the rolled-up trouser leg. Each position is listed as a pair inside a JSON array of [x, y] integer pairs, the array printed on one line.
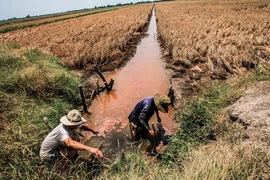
[[133, 130]]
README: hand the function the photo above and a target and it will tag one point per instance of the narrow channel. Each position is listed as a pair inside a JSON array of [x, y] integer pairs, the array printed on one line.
[[143, 76]]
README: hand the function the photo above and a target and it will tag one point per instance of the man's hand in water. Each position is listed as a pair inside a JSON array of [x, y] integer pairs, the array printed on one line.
[[151, 132], [95, 151]]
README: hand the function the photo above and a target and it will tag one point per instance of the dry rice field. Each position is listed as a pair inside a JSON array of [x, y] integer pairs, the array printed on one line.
[[217, 38], [48, 18], [98, 39]]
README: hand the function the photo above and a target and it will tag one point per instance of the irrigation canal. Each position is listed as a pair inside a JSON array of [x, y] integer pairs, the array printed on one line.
[[142, 76]]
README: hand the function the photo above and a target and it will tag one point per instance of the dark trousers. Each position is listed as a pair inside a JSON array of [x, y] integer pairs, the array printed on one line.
[[138, 131]]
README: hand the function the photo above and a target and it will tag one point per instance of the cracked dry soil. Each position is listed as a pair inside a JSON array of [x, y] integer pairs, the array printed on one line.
[[252, 110]]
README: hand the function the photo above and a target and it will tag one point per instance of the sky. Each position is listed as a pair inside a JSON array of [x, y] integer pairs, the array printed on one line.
[[22, 8]]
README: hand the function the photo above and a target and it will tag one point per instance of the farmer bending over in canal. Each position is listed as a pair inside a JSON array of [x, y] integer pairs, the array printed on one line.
[[142, 113], [63, 136]]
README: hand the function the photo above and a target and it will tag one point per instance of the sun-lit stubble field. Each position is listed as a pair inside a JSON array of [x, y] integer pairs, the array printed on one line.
[[95, 39], [220, 37]]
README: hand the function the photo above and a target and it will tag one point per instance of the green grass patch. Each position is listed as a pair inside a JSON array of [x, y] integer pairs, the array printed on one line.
[[136, 166], [32, 86], [197, 122], [39, 76], [133, 163]]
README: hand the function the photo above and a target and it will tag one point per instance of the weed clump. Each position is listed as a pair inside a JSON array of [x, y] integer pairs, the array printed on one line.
[[197, 122], [38, 76]]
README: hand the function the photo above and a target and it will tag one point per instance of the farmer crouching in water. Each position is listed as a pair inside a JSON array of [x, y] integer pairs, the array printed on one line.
[[142, 113], [63, 135]]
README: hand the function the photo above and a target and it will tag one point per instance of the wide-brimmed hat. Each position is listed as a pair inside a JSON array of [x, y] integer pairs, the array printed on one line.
[[162, 102], [73, 118]]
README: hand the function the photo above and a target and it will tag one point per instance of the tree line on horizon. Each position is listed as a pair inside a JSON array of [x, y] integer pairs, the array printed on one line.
[[80, 10]]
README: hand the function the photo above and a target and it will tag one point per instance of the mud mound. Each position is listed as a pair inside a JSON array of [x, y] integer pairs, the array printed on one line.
[[253, 112]]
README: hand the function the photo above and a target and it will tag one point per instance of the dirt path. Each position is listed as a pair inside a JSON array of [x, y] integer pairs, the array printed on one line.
[[253, 112]]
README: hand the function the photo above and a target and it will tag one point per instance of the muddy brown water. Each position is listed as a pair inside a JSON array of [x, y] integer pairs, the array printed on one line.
[[143, 76]]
